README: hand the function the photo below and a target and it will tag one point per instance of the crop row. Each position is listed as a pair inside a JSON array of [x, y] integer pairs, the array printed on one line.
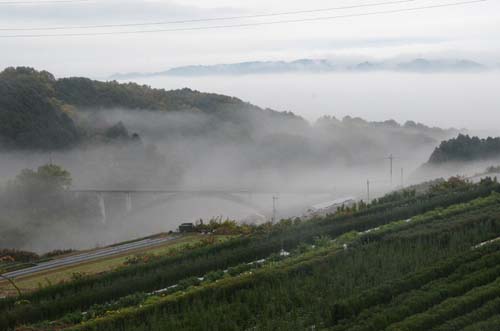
[[57, 300], [309, 293]]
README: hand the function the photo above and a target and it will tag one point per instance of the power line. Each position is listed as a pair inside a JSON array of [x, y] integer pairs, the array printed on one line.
[[213, 27], [227, 18], [41, 2]]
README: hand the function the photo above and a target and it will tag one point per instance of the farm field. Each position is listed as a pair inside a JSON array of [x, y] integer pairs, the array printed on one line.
[[405, 262]]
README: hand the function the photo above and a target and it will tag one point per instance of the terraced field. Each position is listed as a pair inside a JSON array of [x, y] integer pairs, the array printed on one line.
[[405, 263]]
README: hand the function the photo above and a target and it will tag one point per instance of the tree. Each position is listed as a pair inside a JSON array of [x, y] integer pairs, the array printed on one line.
[[38, 193], [453, 183], [39, 200], [49, 177], [465, 148]]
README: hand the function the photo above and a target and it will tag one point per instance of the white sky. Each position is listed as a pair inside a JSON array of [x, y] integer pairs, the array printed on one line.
[[470, 31]]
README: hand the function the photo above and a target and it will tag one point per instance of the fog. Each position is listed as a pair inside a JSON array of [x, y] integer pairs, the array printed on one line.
[[231, 166], [461, 100]]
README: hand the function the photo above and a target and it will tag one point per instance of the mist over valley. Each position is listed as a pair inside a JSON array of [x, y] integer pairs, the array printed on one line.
[[129, 137], [249, 165]]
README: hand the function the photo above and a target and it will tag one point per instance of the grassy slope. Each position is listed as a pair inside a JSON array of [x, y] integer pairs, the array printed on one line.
[[245, 281], [33, 282]]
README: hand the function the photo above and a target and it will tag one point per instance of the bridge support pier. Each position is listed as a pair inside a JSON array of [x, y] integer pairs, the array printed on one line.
[[102, 207], [128, 202]]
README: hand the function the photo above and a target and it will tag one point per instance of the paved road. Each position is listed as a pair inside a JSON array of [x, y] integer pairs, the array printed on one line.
[[84, 257]]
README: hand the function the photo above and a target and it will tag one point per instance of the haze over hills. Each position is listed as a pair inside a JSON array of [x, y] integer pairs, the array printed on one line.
[[80, 114], [41, 112], [314, 66], [110, 135], [226, 165]]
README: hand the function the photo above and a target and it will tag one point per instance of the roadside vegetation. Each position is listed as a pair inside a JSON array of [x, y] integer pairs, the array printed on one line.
[[37, 281]]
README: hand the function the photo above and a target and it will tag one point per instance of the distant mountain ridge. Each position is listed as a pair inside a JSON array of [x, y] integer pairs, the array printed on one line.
[[312, 66]]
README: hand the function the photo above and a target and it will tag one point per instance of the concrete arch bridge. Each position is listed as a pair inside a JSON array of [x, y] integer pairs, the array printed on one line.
[[133, 201]]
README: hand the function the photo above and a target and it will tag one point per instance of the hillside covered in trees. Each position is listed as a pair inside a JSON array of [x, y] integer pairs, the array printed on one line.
[[40, 112], [466, 149], [31, 117]]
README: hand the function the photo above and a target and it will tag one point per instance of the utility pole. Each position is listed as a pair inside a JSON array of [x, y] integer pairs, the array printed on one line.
[[275, 198], [391, 161], [402, 178], [368, 191]]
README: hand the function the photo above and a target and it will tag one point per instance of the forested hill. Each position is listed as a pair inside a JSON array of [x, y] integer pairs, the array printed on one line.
[[38, 111], [30, 115], [87, 93], [464, 149]]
